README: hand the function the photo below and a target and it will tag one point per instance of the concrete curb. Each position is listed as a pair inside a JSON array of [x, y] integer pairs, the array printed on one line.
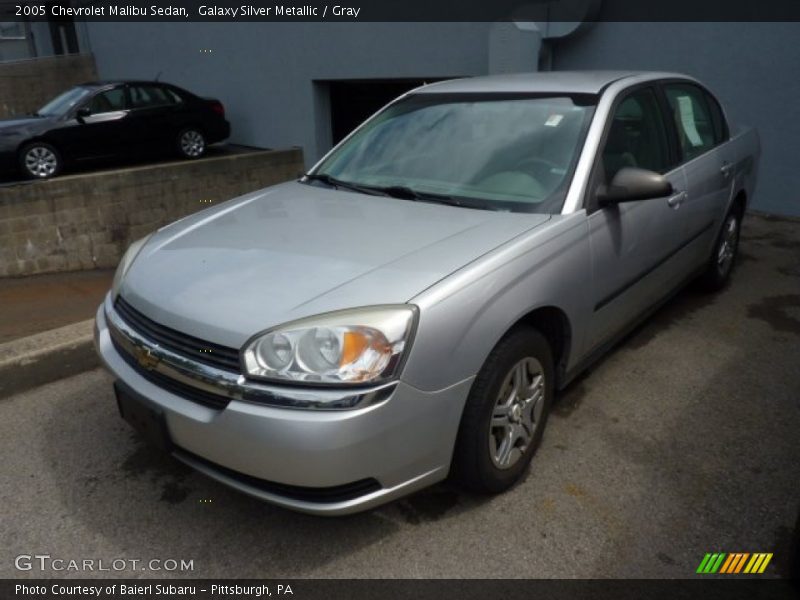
[[38, 359]]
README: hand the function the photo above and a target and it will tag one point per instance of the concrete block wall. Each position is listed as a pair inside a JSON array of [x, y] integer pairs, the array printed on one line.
[[26, 85], [87, 221]]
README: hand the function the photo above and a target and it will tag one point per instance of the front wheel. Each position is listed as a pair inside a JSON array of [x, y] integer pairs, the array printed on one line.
[[505, 414], [191, 143], [40, 160], [723, 255]]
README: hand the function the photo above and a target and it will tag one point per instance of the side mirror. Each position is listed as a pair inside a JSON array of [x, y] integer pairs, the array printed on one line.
[[631, 184], [82, 113]]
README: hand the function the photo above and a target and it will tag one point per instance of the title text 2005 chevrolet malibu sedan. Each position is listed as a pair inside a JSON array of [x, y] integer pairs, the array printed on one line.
[[408, 309]]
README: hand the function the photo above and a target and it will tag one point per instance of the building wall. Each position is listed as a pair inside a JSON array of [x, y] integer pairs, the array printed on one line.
[[265, 72], [14, 49], [87, 221], [26, 85], [268, 74], [754, 68]]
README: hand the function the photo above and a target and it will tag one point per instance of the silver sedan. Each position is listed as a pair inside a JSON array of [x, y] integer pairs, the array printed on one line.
[[407, 310]]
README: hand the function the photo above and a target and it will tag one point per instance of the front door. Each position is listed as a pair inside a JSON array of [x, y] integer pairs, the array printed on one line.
[[633, 244], [101, 131]]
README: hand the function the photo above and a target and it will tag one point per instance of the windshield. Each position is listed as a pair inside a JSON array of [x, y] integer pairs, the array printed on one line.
[[490, 151], [62, 104]]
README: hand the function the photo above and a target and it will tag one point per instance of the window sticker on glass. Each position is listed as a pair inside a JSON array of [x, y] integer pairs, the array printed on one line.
[[553, 120], [686, 111]]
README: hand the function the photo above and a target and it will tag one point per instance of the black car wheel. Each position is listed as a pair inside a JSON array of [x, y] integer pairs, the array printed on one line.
[[505, 414], [191, 143], [40, 160]]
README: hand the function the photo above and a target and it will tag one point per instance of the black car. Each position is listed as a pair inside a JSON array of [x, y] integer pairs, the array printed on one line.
[[111, 119]]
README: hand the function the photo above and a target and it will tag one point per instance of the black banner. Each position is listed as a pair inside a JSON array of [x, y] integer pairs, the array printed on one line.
[[734, 588], [401, 10]]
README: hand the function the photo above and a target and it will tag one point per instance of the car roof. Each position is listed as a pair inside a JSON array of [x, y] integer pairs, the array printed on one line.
[[99, 84], [544, 82]]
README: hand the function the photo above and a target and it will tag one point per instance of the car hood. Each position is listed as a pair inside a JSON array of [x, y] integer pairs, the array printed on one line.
[[12, 129], [22, 123], [296, 250]]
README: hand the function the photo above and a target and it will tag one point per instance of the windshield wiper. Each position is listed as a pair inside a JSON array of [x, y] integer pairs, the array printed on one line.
[[407, 193], [338, 183], [394, 191]]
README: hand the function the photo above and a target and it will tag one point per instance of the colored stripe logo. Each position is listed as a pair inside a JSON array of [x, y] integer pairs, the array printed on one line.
[[734, 563]]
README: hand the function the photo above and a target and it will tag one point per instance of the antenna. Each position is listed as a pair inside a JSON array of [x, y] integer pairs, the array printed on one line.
[[159, 75]]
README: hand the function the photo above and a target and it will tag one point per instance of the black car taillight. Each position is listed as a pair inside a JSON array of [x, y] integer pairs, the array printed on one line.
[[218, 108]]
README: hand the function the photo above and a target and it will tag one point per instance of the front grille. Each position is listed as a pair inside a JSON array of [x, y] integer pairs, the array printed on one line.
[[320, 495], [201, 351], [172, 385]]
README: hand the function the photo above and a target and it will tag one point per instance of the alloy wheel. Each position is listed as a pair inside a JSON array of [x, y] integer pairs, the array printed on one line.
[[727, 245], [193, 143], [517, 412], [41, 161]]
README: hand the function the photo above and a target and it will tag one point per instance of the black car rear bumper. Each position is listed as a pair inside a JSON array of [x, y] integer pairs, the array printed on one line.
[[217, 132]]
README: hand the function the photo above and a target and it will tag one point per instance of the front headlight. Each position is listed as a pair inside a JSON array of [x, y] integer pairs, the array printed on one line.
[[127, 260], [348, 347]]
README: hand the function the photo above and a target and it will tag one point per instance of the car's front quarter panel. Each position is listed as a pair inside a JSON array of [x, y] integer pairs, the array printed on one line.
[[464, 316], [14, 134], [404, 441]]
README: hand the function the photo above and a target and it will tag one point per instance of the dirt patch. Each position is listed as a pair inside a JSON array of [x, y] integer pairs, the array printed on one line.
[[786, 244], [173, 492], [570, 399], [745, 257], [790, 271], [774, 310]]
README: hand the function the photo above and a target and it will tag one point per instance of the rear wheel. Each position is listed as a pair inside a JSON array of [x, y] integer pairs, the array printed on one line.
[[723, 256], [505, 414], [40, 160], [191, 143]]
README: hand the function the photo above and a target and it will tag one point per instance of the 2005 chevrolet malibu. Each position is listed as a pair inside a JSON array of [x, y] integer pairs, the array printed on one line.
[[407, 310]]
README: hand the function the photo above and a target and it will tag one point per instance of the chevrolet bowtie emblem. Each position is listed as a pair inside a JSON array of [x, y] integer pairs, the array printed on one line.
[[145, 358]]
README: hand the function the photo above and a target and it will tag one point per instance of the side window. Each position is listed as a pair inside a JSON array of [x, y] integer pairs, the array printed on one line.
[[108, 101], [139, 96], [149, 96], [637, 136], [173, 96], [690, 111]]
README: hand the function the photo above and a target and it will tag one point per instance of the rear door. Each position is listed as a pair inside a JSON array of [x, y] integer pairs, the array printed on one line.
[[635, 245], [156, 115], [707, 159]]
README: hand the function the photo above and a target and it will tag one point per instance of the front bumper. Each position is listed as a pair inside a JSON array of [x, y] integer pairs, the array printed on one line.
[[403, 443], [8, 164]]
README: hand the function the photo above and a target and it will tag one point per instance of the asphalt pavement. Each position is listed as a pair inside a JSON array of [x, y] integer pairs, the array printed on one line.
[[682, 441]]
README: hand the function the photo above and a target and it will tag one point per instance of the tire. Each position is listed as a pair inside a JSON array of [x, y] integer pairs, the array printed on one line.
[[723, 256], [484, 461], [40, 160], [191, 143]]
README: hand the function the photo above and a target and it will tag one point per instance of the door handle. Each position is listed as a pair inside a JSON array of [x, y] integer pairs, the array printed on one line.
[[726, 169], [678, 199]]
